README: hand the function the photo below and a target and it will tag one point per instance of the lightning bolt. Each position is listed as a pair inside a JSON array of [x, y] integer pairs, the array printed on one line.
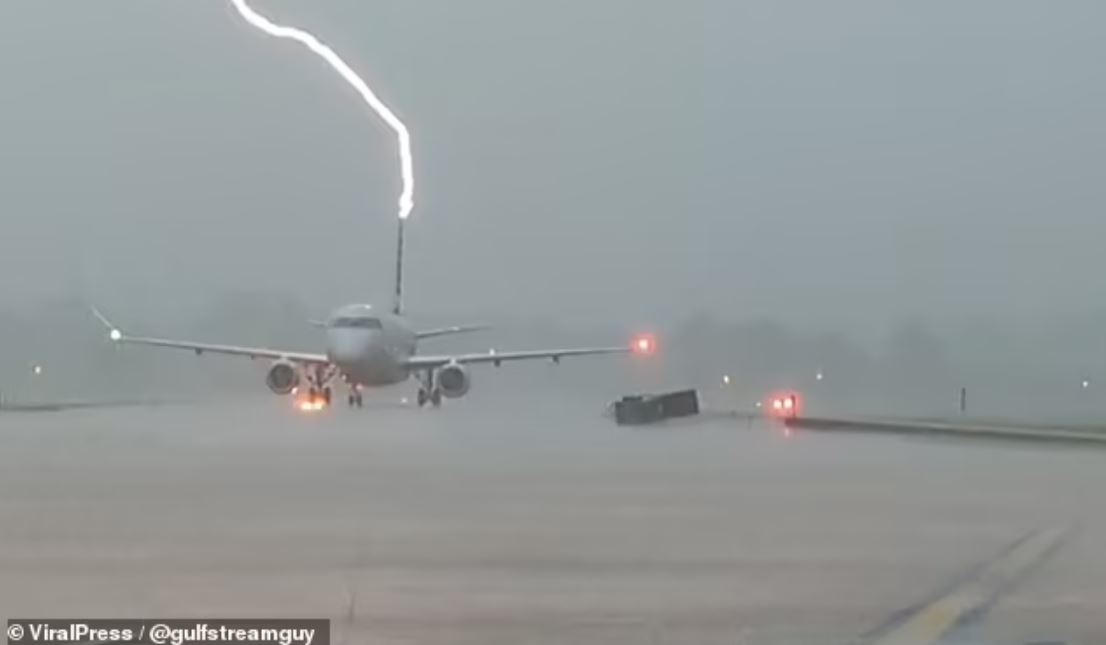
[[407, 195]]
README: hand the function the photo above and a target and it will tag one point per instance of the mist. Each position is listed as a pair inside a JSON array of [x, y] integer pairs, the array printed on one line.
[[913, 368], [904, 196]]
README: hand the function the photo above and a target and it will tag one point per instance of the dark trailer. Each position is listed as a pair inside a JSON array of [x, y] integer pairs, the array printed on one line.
[[651, 408]]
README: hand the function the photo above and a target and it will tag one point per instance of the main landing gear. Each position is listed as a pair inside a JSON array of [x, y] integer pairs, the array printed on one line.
[[319, 392], [321, 396], [429, 392]]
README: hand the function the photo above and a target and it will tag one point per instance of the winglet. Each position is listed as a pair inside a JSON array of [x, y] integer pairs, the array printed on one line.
[[113, 331]]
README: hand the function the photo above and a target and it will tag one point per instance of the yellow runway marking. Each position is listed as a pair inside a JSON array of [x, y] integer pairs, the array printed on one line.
[[930, 623]]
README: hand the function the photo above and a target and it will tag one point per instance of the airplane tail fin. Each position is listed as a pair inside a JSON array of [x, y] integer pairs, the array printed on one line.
[[397, 297]]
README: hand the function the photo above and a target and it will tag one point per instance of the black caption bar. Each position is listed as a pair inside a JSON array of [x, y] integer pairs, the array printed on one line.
[[171, 631]]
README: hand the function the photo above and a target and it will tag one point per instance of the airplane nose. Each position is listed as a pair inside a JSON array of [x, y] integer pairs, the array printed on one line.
[[349, 346]]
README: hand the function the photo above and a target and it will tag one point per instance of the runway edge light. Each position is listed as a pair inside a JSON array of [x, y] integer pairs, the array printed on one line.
[[785, 404]]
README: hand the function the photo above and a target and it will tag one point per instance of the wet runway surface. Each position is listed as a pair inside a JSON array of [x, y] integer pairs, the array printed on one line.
[[534, 521]]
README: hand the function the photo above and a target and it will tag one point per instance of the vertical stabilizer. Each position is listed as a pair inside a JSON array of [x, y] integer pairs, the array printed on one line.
[[397, 297]]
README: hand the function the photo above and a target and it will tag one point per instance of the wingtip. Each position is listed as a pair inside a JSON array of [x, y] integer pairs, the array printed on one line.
[[113, 331], [644, 344], [99, 316]]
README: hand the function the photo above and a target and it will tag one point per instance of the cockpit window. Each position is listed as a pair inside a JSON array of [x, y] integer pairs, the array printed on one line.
[[356, 323]]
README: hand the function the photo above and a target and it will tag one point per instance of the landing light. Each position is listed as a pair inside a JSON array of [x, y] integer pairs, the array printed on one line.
[[115, 335]]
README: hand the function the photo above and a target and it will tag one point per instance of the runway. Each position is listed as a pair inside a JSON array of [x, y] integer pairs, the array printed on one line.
[[1088, 435], [534, 520]]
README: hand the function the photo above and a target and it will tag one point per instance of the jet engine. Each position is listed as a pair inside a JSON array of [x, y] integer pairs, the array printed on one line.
[[453, 380], [283, 377]]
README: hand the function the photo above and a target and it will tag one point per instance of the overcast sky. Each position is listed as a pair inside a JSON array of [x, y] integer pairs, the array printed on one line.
[[832, 161]]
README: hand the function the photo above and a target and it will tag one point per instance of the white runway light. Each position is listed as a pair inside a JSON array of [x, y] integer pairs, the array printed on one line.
[[407, 195]]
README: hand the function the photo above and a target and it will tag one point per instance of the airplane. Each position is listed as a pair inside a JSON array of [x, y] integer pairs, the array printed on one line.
[[370, 348]]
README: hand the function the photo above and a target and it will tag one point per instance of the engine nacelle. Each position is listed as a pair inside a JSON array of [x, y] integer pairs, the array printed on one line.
[[283, 377], [453, 380]]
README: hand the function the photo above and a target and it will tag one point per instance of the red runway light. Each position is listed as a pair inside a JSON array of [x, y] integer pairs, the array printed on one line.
[[785, 404]]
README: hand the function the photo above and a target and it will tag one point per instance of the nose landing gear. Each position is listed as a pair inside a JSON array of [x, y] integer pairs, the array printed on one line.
[[355, 399]]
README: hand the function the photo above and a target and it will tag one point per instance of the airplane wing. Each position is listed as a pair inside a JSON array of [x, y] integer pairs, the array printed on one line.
[[116, 335], [445, 331], [230, 350], [426, 362]]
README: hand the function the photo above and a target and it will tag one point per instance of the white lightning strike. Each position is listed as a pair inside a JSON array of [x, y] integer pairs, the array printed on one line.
[[407, 196]]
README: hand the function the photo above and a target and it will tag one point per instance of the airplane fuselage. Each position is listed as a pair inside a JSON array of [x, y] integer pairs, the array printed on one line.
[[369, 347]]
